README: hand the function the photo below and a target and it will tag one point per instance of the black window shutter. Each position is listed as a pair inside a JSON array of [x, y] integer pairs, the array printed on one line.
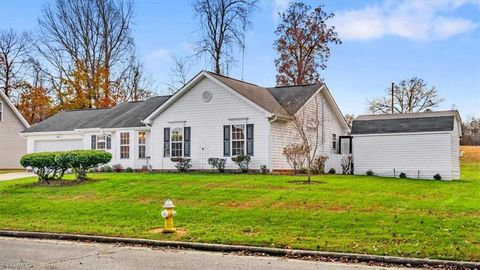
[[250, 139], [226, 140], [109, 142], [186, 141], [94, 141], [166, 142]]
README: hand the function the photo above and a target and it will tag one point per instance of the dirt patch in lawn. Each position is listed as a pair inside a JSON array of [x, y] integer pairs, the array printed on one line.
[[178, 231], [304, 182], [60, 183]]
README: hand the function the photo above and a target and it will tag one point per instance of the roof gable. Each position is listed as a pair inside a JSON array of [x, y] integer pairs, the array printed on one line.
[[292, 98], [7, 101]]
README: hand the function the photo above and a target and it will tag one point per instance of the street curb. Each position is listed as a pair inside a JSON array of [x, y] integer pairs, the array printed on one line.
[[238, 248]]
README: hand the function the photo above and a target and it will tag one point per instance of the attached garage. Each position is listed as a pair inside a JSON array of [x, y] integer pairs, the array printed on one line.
[[417, 144], [57, 145]]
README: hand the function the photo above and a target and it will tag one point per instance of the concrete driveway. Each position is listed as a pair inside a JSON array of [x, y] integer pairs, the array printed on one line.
[[19, 253], [15, 175]]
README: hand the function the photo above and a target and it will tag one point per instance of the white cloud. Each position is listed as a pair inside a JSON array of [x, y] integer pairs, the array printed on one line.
[[159, 55], [414, 20]]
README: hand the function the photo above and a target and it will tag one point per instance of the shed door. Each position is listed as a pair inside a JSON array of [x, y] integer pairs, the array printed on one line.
[[58, 145]]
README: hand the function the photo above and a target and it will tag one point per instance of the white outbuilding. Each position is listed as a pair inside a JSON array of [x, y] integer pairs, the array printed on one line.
[[419, 145]]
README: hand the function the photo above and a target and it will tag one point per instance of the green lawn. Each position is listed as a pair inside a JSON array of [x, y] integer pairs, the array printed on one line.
[[345, 213]]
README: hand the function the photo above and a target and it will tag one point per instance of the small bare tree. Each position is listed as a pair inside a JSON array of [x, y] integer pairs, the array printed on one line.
[[409, 96], [14, 48], [308, 127], [224, 23]]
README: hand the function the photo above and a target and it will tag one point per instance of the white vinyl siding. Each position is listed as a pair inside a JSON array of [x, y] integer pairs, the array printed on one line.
[[416, 154], [455, 151], [206, 120], [12, 146], [284, 133]]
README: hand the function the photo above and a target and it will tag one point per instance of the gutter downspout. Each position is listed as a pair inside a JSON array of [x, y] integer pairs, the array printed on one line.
[[271, 119]]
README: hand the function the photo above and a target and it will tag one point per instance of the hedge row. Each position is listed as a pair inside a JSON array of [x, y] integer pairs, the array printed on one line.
[[52, 165]]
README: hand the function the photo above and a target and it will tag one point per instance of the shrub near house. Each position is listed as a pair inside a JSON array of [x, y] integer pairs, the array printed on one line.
[[52, 165]]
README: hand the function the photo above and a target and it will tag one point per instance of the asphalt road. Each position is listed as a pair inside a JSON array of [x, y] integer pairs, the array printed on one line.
[[19, 253]]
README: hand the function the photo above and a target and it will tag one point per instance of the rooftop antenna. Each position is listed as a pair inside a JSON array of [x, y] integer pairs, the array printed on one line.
[[393, 85], [243, 54]]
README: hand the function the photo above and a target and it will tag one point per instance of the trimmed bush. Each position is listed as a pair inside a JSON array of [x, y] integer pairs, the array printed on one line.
[[437, 177], [370, 173], [44, 165], [129, 170], [218, 163], [318, 165], [117, 168], [242, 161], [402, 175], [264, 169], [183, 164], [332, 171], [80, 161]]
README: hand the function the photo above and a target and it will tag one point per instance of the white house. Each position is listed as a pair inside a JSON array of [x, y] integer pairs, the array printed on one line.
[[12, 146], [211, 116], [417, 144]]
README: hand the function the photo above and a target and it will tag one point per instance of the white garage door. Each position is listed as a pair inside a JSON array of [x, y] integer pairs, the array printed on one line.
[[58, 145]]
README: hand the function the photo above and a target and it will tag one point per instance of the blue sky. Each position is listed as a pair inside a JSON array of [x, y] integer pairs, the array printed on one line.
[[383, 41]]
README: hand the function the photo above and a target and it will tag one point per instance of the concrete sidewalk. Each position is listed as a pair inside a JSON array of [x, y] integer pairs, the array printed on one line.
[[15, 175], [21, 253]]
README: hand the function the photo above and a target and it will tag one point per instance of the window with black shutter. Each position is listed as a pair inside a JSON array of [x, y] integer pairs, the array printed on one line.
[[226, 140], [250, 139], [94, 141], [186, 141], [166, 142]]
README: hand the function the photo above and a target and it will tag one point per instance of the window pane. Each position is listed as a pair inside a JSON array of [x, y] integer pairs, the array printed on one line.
[[141, 138], [124, 145], [141, 151], [238, 140]]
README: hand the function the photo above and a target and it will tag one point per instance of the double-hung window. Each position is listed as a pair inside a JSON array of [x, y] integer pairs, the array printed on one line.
[[238, 140], [142, 141], [101, 142], [124, 145], [176, 141]]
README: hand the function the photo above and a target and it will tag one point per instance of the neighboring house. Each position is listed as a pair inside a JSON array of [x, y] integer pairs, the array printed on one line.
[[211, 116], [12, 146], [418, 144]]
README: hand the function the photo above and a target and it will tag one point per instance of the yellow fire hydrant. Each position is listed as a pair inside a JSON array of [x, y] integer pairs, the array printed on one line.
[[168, 213]]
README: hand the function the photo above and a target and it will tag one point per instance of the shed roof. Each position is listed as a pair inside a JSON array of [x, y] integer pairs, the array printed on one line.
[[405, 123], [128, 114]]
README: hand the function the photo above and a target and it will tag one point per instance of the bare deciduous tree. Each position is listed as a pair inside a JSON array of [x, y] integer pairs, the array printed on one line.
[[224, 23], [471, 131], [180, 73], [303, 43], [309, 129], [136, 83], [409, 96], [92, 34], [14, 48]]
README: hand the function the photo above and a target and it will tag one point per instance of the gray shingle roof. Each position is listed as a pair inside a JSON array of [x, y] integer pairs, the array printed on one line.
[[128, 114], [292, 98], [404, 123], [283, 100]]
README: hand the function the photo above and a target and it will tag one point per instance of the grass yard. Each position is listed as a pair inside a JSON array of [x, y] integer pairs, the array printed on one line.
[[344, 213]]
